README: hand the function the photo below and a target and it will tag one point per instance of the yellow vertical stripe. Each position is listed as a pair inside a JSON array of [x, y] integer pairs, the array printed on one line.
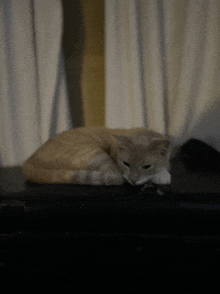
[[92, 80]]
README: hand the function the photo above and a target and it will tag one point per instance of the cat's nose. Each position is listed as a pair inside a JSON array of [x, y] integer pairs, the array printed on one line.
[[134, 180]]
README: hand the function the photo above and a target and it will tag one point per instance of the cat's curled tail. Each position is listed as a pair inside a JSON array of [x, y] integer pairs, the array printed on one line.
[[62, 176]]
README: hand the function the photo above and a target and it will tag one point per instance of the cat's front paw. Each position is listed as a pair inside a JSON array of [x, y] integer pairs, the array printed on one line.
[[148, 185], [162, 178]]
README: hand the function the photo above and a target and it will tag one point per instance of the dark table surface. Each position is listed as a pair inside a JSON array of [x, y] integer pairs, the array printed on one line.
[[53, 233]]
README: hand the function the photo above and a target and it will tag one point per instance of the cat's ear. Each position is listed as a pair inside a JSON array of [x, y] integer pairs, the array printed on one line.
[[161, 145], [122, 141]]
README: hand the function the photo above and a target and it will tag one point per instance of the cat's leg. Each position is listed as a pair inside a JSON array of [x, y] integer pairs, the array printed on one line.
[[162, 178], [109, 169]]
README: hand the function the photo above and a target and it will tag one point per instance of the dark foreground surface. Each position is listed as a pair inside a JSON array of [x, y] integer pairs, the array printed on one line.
[[114, 239]]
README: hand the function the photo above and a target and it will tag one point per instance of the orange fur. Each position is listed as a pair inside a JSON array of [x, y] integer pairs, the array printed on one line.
[[100, 156]]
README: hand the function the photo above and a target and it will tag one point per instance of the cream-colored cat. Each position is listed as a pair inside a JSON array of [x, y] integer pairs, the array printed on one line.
[[101, 156]]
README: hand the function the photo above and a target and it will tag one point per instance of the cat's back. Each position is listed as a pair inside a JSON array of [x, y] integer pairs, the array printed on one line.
[[59, 150], [68, 142], [79, 137]]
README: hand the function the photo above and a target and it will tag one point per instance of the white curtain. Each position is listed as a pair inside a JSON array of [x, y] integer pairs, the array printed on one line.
[[163, 67], [34, 105]]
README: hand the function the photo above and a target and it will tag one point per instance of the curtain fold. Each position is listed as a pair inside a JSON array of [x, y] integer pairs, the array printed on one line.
[[34, 104], [162, 67]]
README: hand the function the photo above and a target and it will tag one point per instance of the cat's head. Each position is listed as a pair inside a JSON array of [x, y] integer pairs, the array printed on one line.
[[142, 161]]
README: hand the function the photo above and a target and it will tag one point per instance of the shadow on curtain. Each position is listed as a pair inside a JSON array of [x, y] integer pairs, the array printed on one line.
[[83, 42], [34, 102]]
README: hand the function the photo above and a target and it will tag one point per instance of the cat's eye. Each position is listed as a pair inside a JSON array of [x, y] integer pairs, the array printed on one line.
[[126, 164], [147, 166]]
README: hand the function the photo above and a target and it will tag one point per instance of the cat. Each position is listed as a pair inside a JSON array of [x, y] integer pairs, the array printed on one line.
[[101, 156]]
